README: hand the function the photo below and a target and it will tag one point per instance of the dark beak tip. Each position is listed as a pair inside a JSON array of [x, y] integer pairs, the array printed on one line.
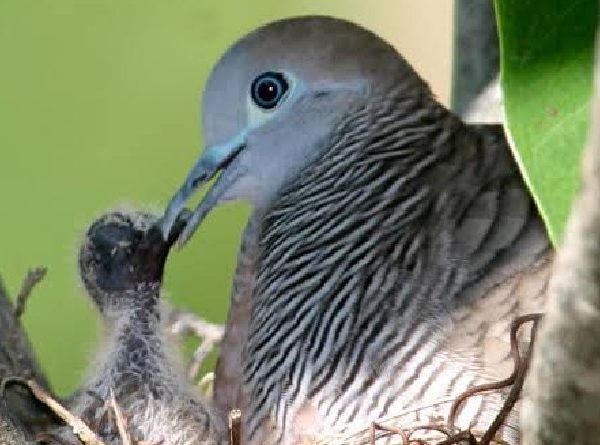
[[171, 232], [184, 237]]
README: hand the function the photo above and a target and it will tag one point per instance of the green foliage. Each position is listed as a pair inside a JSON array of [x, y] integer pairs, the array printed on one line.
[[547, 49]]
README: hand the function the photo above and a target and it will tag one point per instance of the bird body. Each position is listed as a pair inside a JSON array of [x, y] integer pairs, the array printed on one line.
[[390, 246], [121, 263], [371, 300]]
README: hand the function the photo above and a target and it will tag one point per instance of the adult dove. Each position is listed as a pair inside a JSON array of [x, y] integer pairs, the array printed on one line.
[[389, 247]]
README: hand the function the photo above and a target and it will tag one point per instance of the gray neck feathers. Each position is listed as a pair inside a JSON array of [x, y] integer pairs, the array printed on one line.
[[135, 362], [372, 244]]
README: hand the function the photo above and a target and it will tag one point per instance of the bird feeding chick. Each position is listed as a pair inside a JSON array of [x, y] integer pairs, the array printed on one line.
[[121, 264], [390, 245]]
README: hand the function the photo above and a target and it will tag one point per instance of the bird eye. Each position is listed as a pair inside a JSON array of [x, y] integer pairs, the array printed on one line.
[[268, 89]]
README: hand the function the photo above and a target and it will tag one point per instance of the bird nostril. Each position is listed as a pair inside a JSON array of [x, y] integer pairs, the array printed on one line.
[[321, 94]]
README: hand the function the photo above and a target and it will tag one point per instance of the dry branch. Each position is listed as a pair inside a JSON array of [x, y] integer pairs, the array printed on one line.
[[34, 276], [80, 429], [17, 359]]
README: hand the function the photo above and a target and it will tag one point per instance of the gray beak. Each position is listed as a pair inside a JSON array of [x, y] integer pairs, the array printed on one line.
[[213, 160]]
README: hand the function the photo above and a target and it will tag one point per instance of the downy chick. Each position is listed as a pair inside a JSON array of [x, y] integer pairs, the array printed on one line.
[[121, 265]]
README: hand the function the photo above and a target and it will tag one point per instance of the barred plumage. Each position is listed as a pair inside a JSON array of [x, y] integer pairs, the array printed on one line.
[[390, 247], [364, 264]]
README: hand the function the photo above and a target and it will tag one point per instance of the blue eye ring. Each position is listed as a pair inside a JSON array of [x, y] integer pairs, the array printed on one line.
[[267, 89]]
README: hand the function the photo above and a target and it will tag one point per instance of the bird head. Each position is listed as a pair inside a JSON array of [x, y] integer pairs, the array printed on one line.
[[272, 102], [123, 256]]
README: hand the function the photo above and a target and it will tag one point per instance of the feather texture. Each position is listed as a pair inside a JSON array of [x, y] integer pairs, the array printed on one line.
[[387, 273]]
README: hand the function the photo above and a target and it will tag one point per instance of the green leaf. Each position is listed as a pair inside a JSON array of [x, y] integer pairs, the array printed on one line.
[[547, 54]]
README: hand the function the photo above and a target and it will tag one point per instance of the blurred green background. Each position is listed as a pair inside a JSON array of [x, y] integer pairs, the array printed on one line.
[[98, 107]]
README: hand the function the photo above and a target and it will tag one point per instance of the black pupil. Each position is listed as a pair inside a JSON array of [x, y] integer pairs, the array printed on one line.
[[268, 89]]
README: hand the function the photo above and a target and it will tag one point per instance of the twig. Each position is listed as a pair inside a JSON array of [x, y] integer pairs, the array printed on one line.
[[34, 276], [120, 420], [510, 380], [361, 431], [18, 360], [235, 427], [185, 323], [517, 386], [80, 429], [198, 358], [206, 384], [431, 427], [451, 438], [399, 431], [459, 437]]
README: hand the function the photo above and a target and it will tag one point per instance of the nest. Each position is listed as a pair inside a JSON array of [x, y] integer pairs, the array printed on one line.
[[183, 324]]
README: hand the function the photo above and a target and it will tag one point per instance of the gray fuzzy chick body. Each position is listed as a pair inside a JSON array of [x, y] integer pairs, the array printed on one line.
[[137, 361]]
